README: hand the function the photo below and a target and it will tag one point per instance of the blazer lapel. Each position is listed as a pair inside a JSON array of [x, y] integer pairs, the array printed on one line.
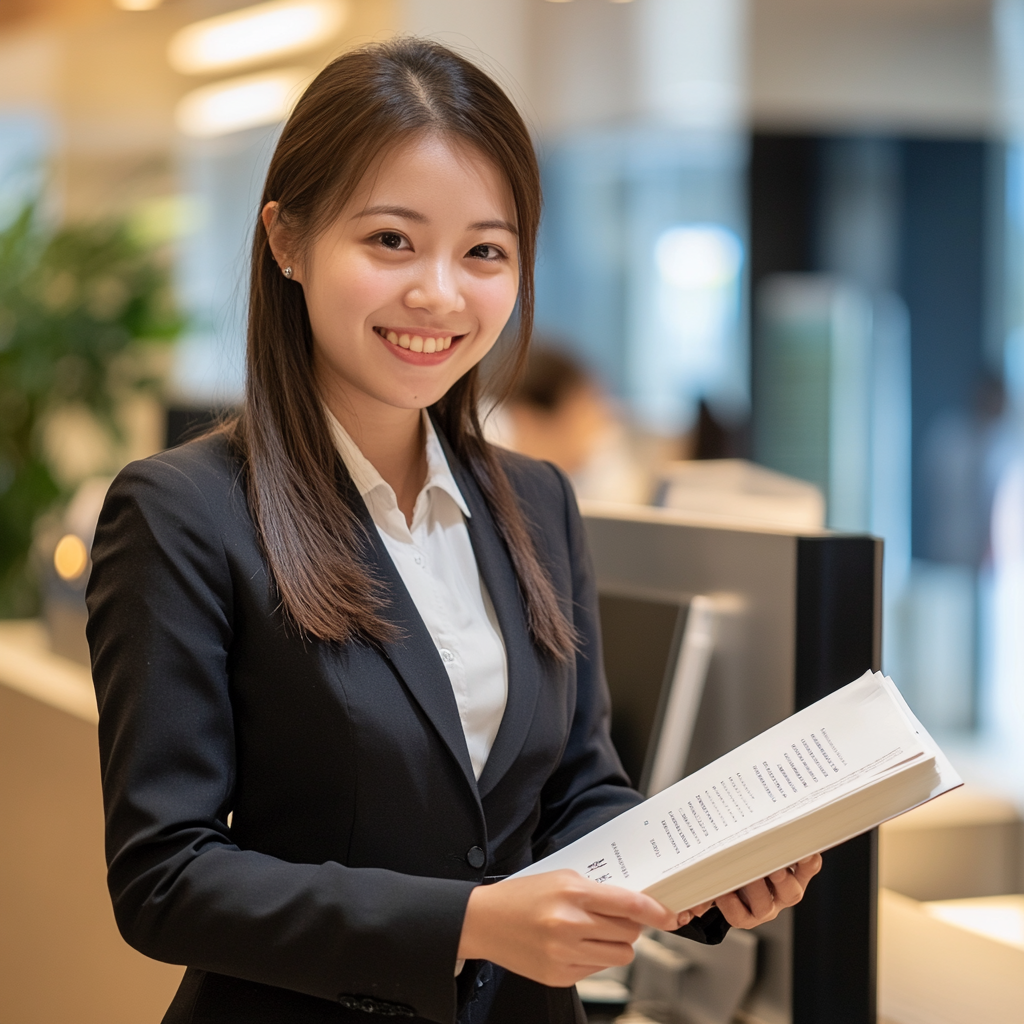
[[413, 655], [526, 672]]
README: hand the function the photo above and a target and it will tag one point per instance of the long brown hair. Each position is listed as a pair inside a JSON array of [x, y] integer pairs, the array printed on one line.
[[365, 101]]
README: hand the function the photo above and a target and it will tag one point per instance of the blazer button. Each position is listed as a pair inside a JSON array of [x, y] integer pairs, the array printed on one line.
[[476, 857]]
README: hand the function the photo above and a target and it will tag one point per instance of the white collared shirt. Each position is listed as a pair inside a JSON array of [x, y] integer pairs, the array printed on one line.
[[435, 559]]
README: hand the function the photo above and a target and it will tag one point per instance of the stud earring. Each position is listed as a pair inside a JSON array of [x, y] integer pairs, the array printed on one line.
[[287, 272]]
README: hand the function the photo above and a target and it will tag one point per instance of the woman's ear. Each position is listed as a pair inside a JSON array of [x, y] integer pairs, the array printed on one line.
[[280, 242]]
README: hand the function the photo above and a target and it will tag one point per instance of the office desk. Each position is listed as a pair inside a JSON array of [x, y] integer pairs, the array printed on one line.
[[62, 960]]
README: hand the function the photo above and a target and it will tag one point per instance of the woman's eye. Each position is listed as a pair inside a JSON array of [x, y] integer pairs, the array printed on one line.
[[487, 252], [391, 240]]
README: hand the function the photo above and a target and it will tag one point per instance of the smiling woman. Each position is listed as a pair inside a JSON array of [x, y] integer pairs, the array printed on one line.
[[428, 134], [346, 652], [435, 281]]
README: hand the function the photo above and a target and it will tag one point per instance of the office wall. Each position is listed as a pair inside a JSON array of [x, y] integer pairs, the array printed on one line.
[[912, 65]]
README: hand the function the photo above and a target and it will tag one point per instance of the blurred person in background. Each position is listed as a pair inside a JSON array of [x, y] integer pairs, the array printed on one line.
[[558, 412]]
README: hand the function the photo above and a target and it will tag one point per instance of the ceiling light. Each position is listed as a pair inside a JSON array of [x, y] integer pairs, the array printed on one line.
[[137, 5], [255, 34], [239, 103]]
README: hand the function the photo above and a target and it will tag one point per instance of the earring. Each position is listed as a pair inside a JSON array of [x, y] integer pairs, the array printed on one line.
[[287, 272]]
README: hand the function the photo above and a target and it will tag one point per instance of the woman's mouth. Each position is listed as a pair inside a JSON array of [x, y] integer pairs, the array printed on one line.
[[412, 342]]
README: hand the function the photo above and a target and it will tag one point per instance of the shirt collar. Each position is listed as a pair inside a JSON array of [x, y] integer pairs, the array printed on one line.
[[366, 478]]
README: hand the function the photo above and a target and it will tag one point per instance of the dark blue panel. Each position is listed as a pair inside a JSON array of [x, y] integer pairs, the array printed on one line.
[[943, 282]]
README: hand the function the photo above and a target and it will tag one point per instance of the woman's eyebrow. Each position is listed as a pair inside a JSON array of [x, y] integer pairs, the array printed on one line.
[[501, 225], [407, 214], [392, 211]]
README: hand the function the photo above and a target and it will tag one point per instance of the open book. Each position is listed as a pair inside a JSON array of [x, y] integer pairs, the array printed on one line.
[[830, 772]]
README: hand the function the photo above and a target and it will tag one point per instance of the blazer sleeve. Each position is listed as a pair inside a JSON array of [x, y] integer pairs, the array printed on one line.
[[590, 786], [161, 633]]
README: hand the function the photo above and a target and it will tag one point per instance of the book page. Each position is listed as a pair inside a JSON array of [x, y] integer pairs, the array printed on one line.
[[948, 777], [836, 746]]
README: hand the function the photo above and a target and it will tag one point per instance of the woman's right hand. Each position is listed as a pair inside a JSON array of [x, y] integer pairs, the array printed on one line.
[[557, 928]]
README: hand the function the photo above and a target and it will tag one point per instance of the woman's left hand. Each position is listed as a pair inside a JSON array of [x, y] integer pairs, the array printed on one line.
[[761, 901]]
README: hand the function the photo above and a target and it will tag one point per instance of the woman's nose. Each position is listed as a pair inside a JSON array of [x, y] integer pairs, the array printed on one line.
[[436, 288]]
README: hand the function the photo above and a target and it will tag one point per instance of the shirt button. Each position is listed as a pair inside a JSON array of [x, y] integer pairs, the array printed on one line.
[[418, 559], [447, 656], [476, 857]]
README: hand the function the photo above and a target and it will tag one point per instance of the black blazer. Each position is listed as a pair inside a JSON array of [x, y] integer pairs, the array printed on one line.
[[357, 829]]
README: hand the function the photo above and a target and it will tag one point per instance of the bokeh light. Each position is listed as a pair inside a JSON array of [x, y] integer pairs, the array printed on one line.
[[240, 103], [70, 557], [255, 34]]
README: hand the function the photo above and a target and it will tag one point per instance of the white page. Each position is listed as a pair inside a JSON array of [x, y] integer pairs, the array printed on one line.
[[948, 776], [838, 745]]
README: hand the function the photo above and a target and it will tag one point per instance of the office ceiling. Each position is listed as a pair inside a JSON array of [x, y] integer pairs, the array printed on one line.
[[893, 65], [926, 8]]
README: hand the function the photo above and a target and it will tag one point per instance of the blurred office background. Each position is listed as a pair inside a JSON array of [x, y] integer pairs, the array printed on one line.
[[784, 231], [779, 230]]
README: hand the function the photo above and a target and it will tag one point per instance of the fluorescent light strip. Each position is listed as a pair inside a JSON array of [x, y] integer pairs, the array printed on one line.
[[255, 34], [239, 103]]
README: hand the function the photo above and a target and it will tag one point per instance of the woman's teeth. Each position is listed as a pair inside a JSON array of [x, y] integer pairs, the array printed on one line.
[[415, 343]]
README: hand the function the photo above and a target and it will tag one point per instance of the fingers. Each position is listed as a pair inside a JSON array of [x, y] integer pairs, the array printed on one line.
[[686, 916], [654, 914], [735, 911], [790, 883], [750, 906], [806, 869], [602, 928], [607, 954], [701, 909], [787, 888], [612, 901], [761, 901], [556, 927], [586, 958], [565, 975]]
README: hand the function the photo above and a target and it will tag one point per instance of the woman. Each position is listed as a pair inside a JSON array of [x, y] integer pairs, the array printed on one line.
[[346, 653]]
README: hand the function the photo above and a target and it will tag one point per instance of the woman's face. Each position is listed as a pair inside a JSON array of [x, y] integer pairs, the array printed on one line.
[[411, 285]]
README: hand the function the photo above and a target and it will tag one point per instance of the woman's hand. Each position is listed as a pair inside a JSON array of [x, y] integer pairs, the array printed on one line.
[[761, 901], [558, 927]]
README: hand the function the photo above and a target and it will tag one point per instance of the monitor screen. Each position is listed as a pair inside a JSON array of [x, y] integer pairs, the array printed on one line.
[[641, 646]]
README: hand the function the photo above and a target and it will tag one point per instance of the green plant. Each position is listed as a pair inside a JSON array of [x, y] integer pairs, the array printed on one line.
[[74, 303]]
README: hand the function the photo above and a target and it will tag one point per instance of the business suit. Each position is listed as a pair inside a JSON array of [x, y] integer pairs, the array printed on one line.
[[358, 829]]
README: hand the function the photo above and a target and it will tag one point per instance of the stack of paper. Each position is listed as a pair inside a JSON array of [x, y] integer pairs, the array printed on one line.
[[830, 772]]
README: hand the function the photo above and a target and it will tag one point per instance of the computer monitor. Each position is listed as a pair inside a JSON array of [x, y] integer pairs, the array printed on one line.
[[796, 616], [656, 654]]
